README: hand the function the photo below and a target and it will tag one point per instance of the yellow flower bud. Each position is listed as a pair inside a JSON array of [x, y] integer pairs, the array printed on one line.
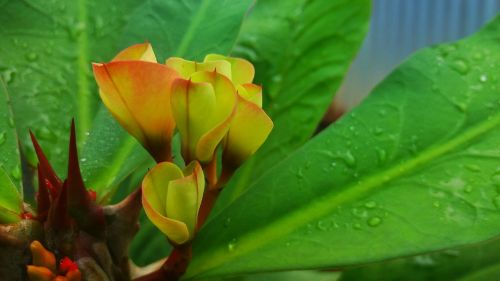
[[172, 199]]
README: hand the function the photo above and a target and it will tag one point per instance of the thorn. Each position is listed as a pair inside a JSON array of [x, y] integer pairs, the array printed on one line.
[[43, 163], [58, 217], [78, 198], [42, 196]]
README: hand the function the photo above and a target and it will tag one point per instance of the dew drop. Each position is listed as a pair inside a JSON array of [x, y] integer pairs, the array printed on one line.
[[16, 173], [483, 78], [45, 133], [460, 66], [349, 159], [370, 204], [277, 78], [378, 131], [473, 168], [374, 221], [356, 226], [424, 261], [436, 204], [324, 225], [382, 155], [231, 245], [31, 56]]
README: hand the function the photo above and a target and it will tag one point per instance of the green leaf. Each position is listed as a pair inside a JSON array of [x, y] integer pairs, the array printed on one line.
[[110, 155], [189, 29], [45, 56], [475, 263], [10, 159], [413, 166], [301, 51], [288, 276], [10, 163]]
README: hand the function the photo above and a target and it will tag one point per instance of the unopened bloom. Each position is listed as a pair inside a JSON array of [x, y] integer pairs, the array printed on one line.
[[172, 199], [206, 107], [203, 107], [136, 90], [44, 266]]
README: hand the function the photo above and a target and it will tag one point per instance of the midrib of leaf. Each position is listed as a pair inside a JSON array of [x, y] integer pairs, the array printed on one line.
[[82, 68], [252, 241], [188, 37]]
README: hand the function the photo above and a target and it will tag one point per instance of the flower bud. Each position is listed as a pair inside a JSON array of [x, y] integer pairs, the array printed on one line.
[[136, 90], [203, 108], [172, 199]]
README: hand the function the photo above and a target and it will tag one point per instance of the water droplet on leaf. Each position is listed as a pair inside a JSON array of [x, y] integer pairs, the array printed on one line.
[[374, 221]]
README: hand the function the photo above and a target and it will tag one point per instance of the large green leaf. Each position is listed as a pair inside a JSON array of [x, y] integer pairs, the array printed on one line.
[[414, 168], [189, 29], [10, 163], [301, 50], [475, 263], [45, 56]]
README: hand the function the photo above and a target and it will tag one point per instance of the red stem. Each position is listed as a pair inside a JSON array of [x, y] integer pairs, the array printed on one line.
[[173, 268]]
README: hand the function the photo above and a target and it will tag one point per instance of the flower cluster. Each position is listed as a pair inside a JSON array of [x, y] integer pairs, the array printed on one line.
[[213, 105]]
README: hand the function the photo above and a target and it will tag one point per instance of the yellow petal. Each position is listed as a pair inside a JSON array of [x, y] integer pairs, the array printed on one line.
[[249, 129], [137, 93], [219, 121], [191, 104], [142, 52], [186, 68], [155, 184], [176, 231], [242, 71], [183, 198], [39, 273], [251, 92], [196, 171], [42, 257], [155, 188]]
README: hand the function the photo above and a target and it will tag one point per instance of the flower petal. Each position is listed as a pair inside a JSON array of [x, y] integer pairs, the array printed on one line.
[[249, 129], [183, 198], [242, 71], [142, 52], [176, 231], [155, 184], [194, 168], [225, 107], [251, 92], [138, 95], [186, 68], [191, 104]]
